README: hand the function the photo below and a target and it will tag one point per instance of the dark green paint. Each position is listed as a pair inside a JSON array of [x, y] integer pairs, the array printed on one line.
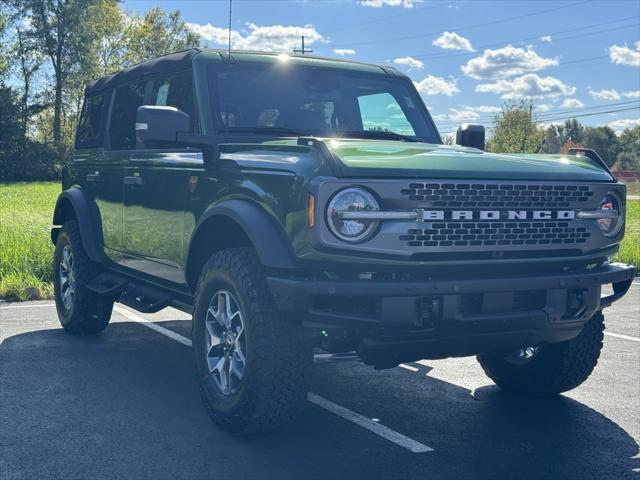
[[149, 228]]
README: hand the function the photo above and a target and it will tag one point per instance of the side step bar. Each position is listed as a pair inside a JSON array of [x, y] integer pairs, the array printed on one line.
[[335, 357], [142, 298]]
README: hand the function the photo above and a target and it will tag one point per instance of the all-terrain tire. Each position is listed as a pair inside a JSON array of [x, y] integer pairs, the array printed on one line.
[[278, 355], [88, 312], [555, 368]]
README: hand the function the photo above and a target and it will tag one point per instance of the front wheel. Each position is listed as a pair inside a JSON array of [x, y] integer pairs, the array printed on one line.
[[79, 309], [548, 369], [253, 365]]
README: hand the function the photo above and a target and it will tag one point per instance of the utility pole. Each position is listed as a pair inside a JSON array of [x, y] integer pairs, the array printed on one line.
[[229, 44], [303, 50]]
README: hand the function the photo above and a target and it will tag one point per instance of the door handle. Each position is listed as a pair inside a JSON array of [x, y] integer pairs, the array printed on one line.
[[133, 180], [93, 177]]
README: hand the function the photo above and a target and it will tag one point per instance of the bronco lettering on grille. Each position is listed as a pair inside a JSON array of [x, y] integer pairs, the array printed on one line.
[[498, 215]]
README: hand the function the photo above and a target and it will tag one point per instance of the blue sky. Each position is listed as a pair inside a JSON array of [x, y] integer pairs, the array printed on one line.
[[573, 57]]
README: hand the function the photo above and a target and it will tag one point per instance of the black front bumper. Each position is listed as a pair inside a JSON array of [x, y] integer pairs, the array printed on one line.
[[410, 320]]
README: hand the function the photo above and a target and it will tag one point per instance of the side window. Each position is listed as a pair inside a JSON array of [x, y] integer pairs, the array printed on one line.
[[122, 134], [89, 131], [381, 111], [175, 90]]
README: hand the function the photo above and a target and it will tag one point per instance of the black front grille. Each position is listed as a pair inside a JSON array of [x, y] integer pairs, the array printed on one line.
[[454, 195], [513, 232]]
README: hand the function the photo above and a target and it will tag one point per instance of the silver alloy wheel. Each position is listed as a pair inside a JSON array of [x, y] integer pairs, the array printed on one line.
[[67, 278], [523, 355], [226, 345]]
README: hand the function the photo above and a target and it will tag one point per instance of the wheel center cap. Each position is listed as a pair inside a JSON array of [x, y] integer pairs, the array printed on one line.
[[228, 340]]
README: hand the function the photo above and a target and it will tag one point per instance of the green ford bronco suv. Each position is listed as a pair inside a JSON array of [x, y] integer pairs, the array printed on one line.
[[301, 207]]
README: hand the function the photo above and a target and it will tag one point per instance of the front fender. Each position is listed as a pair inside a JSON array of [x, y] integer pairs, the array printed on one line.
[[74, 202], [268, 238]]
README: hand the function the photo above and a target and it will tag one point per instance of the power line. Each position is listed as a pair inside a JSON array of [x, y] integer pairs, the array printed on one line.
[[533, 37], [566, 117], [543, 115], [477, 25]]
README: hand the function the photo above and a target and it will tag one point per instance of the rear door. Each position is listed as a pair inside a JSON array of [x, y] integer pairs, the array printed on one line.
[[156, 189], [97, 171]]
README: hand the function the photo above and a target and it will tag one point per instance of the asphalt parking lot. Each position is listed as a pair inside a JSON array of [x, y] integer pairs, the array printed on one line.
[[124, 404]]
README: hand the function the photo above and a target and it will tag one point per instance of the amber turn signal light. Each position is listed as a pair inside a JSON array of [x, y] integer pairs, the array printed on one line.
[[311, 211]]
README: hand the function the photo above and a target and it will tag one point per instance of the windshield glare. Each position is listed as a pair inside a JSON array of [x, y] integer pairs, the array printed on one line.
[[301, 100]]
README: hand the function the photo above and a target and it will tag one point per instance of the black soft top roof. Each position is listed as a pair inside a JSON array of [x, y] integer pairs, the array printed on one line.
[[164, 64]]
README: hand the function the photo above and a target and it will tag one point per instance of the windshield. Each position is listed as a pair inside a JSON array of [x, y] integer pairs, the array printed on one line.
[[285, 99]]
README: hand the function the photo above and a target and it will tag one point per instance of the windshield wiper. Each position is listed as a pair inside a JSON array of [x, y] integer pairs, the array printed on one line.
[[379, 134], [266, 130]]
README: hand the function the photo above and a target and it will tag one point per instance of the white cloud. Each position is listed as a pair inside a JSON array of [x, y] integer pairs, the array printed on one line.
[[466, 113], [631, 94], [256, 37], [506, 61], [412, 63], [527, 86], [432, 85], [344, 51], [605, 94], [390, 3], [619, 125], [623, 55], [393, 106], [546, 39], [543, 107], [572, 103], [453, 41]]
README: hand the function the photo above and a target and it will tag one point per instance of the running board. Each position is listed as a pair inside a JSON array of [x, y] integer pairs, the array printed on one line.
[[336, 357], [145, 299], [108, 285]]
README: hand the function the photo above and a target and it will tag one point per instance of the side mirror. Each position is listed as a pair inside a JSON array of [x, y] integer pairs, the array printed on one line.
[[160, 125], [470, 136]]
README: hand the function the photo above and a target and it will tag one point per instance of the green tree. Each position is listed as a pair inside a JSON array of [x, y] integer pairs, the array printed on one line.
[[4, 64], [515, 130], [573, 132], [156, 33], [603, 140], [553, 139], [629, 149], [60, 29]]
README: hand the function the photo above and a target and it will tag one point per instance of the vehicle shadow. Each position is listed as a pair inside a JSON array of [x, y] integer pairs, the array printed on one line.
[[125, 404]]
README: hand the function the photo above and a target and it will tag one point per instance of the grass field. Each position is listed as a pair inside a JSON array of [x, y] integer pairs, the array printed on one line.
[[25, 245], [26, 250]]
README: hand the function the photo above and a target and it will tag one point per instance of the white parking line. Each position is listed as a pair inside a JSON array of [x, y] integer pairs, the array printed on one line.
[[409, 367], [28, 306], [153, 326], [378, 429], [625, 337], [364, 422]]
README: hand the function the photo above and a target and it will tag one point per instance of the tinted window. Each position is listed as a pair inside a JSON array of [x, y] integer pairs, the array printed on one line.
[[90, 124], [381, 112], [122, 132], [305, 100], [174, 91]]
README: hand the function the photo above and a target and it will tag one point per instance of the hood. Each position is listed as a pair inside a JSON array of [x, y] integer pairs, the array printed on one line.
[[381, 158]]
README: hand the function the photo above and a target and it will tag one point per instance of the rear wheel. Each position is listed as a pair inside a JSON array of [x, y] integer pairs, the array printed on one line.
[[79, 309], [253, 365], [548, 369]]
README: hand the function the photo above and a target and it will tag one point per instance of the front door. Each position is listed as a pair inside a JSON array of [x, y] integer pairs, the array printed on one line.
[[156, 190]]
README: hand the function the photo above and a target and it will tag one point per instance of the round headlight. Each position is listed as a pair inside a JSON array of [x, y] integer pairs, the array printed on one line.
[[351, 200], [610, 227]]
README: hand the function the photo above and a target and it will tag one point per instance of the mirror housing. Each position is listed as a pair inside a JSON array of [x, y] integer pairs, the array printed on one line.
[[470, 136], [160, 125], [170, 127]]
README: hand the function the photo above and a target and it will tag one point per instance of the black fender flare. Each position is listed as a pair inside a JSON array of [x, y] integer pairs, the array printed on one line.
[[75, 200], [268, 238]]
